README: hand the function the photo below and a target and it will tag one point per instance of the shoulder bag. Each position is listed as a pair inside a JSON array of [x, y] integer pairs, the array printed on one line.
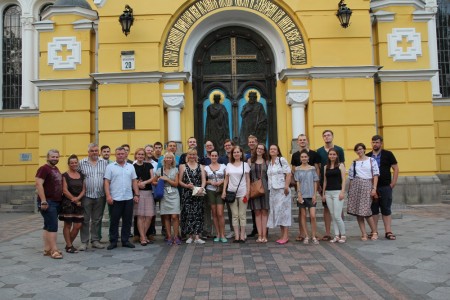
[[158, 193], [198, 191], [256, 187]]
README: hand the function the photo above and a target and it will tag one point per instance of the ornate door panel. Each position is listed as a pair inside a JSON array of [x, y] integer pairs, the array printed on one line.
[[230, 64]]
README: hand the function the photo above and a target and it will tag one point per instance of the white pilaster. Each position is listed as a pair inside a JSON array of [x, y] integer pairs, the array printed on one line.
[[297, 99], [28, 90], [432, 7], [173, 102]]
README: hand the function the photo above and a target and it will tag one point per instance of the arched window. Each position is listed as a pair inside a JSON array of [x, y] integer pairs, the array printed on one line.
[[43, 8], [12, 58], [443, 41]]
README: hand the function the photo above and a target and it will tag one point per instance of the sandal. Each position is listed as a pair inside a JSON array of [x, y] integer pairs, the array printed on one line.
[[364, 237], [371, 234], [46, 253], [259, 240], [374, 236], [326, 238], [343, 239], [335, 240], [144, 243], [71, 249], [56, 255], [315, 241], [390, 236], [306, 241], [299, 238]]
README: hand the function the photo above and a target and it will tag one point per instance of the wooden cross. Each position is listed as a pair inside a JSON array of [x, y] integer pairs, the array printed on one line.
[[234, 58]]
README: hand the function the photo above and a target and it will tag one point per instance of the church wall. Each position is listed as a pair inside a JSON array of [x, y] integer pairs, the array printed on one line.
[[18, 135], [442, 134]]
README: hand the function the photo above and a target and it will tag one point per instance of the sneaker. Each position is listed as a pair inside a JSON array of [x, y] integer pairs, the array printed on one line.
[[189, 241], [97, 244], [82, 247], [199, 241], [177, 241], [343, 239], [224, 240], [170, 242], [216, 240], [230, 235]]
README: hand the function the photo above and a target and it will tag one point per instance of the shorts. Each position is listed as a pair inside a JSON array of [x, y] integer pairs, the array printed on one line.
[[384, 202], [307, 203], [214, 197], [50, 215]]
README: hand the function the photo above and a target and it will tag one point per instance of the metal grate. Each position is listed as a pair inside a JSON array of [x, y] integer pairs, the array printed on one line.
[[443, 41], [12, 58]]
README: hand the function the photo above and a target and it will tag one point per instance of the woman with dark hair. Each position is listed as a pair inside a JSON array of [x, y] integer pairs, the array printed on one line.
[[237, 180], [72, 212], [260, 205], [279, 175], [363, 176], [145, 208], [333, 193], [192, 175]]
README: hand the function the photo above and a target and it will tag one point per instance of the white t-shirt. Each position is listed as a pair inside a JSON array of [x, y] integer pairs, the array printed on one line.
[[216, 176], [235, 174]]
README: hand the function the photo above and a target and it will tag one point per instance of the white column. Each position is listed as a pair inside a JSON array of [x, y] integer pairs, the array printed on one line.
[[173, 102], [297, 99], [28, 57], [431, 6]]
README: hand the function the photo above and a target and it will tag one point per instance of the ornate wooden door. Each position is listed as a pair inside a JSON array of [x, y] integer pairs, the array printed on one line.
[[231, 64]]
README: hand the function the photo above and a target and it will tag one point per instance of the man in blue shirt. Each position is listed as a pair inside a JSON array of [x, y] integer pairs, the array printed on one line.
[[120, 183]]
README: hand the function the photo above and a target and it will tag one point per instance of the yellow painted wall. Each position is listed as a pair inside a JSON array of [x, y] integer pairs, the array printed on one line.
[[18, 135], [442, 136]]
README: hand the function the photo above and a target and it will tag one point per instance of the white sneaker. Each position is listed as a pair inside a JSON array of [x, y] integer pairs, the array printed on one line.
[[199, 241], [189, 241], [230, 235], [82, 247], [97, 244]]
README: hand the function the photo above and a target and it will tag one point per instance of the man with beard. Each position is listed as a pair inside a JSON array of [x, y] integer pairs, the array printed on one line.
[[49, 189], [386, 161]]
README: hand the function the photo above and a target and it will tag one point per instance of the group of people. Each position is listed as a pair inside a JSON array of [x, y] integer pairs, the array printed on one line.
[[194, 189]]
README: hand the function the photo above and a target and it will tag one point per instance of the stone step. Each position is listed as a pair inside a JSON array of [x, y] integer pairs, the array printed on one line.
[[21, 202], [16, 208]]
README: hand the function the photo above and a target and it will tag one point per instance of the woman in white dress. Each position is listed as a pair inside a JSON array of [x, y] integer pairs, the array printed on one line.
[[279, 175]]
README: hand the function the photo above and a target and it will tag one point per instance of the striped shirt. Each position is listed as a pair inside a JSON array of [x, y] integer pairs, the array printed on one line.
[[93, 177]]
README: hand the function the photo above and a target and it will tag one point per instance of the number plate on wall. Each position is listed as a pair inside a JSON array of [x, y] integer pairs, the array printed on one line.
[[128, 62]]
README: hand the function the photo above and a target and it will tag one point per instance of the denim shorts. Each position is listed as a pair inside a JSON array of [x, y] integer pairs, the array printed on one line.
[[307, 203], [50, 215]]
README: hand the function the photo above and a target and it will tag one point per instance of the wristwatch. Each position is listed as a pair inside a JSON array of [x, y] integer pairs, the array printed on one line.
[[137, 196]]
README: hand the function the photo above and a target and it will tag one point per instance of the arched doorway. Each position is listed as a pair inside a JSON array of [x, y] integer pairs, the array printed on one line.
[[233, 65]]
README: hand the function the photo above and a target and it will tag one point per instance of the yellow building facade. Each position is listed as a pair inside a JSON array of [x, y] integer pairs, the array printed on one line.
[[96, 84]]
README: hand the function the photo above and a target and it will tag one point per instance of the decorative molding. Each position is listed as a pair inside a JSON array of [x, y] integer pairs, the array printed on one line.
[[431, 6], [19, 113], [99, 3], [297, 97], [69, 10], [173, 100], [128, 77], [405, 75], [44, 26], [64, 84], [423, 15], [329, 72], [27, 22], [71, 60], [441, 102], [382, 16], [84, 24], [174, 76], [397, 36], [377, 4]]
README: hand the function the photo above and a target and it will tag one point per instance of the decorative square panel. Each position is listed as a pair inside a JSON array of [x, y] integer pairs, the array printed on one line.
[[64, 53], [404, 44]]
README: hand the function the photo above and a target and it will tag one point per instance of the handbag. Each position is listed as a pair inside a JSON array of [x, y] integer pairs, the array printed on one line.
[[198, 191], [219, 189], [257, 188], [230, 197], [159, 190]]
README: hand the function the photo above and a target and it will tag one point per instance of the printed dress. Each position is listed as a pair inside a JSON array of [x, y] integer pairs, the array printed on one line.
[[191, 207]]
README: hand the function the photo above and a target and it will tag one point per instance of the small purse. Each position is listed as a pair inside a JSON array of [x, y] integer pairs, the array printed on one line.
[[230, 197], [198, 191]]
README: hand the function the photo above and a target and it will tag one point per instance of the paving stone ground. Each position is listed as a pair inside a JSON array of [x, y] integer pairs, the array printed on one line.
[[415, 266]]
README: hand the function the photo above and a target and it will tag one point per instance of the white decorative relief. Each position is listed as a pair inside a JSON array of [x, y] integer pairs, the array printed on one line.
[[404, 44], [99, 3], [64, 53], [173, 100]]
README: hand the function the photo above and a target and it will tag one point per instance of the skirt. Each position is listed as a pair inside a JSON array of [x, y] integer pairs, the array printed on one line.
[[146, 205], [280, 208], [70, 212], [359, 200]]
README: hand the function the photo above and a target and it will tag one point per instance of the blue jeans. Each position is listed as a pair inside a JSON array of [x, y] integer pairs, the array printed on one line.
[[50, 215]]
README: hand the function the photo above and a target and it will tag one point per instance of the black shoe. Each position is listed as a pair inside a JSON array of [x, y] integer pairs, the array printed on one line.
[[241, 241], [111, 246], [253, 234], [236, 241], [128, 245]]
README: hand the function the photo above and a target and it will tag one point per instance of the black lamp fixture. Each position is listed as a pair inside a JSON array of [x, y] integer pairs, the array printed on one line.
[[344, 13], [126, 19]]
